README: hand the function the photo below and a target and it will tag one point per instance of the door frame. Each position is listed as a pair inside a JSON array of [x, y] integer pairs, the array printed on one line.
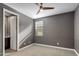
[[17, 29]]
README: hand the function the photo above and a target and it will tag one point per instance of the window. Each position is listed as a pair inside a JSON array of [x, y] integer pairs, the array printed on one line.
[[39, 28]]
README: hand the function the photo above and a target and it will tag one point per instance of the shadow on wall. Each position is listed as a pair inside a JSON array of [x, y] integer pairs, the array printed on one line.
[[25, 33]]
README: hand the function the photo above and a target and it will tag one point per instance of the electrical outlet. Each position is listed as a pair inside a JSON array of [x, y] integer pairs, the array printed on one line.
[[58, 43]]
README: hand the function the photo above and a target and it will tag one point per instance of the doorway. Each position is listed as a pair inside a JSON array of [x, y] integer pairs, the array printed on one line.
[[10, 31]]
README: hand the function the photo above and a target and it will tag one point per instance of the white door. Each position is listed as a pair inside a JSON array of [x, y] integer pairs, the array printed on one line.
[[13, 32]]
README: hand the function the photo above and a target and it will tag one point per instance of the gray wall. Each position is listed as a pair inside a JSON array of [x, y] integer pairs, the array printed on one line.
[[24, 21], [1, 29], [76, 29], [28, 41], [58, 29]]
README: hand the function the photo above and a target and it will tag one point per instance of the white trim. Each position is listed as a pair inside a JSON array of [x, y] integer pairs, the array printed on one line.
[[76, 52], [69, 49], [17, 32], [25, 47], [55, 47], [59, 48], [3, 32], [5, 10]]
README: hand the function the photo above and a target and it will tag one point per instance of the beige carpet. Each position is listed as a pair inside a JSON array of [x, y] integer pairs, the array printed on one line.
[[38, 50]]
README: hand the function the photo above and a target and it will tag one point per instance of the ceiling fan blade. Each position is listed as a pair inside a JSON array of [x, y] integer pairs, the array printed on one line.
[[38, 11], [46, 8]]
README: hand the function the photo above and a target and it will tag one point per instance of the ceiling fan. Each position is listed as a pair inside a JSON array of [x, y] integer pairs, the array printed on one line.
[[41, 7]]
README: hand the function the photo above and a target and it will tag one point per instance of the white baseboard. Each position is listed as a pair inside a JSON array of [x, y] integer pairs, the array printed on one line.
[[49, 46], [59, 48], [76, 52], [25, 47], [54, 46]]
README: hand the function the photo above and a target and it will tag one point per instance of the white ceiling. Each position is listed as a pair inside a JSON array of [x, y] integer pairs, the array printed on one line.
[[30, 9]]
